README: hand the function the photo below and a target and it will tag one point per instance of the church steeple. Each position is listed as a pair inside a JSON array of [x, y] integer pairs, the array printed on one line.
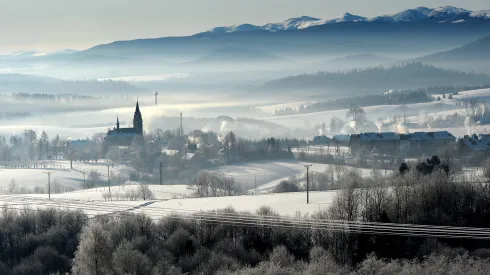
[[138, 120], [137, 108]]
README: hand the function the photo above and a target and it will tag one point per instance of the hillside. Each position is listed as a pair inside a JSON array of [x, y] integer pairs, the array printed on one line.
[[474, 56], [234, 54], [475, 51], [362, 60], [412, 75]]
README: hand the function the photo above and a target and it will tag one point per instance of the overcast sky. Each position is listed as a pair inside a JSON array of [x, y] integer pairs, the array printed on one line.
[[47, 25]]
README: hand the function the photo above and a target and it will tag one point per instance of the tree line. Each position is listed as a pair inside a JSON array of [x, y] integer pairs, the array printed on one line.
[[18, 83], [398, 97], [406, 76], [51, 97]]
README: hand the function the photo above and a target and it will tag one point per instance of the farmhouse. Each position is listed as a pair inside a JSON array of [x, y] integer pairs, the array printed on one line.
[[473, 144], [410, 144]]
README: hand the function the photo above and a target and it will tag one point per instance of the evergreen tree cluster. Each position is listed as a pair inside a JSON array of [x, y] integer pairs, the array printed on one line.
[[406, 76]]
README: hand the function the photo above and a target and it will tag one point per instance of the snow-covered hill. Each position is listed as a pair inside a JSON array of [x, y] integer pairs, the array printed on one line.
[[290, 24], [446, 14]]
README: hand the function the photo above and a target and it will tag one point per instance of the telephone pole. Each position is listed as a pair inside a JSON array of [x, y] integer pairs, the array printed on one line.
[[307, 166], [84, 173], [161, 173], [181, 126], [49, 183], [109, 180]]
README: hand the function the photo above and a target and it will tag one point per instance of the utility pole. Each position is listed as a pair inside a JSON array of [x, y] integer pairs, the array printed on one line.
[[84, 173], [181, 126], [161, 173], [109, 179], [307, 166], [49, 183]]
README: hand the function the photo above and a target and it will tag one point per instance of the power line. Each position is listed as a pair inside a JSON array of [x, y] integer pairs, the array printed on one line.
[[157, 213]]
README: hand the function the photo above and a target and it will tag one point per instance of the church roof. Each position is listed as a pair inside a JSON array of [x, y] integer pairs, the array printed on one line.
[[122, 132], [137, 111]]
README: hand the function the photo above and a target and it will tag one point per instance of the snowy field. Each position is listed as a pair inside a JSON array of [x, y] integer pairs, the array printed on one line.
[[288, 204], [161, 192], [61, 174], [31, 178], [285, 204], [265, 175]]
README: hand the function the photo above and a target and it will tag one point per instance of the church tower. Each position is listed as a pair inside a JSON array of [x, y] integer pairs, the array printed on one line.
[[138, 120]]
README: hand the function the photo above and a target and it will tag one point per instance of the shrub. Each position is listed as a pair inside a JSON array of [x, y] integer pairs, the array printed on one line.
[[286, 187]]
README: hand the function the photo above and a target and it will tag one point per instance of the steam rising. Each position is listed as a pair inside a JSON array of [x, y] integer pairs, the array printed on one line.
[[468, 125], [379, 123], [401, 128], [352, 124]]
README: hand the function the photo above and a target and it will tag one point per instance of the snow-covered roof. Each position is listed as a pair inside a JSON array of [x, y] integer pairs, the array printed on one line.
[[475, 143], [441, 135], [170, 152], [485, 137], [341, 137], [383, 136], [188, 156], [411, 137]]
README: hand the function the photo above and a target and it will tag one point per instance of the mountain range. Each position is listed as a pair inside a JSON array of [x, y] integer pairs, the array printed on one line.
[[446, 14], [302, 44]]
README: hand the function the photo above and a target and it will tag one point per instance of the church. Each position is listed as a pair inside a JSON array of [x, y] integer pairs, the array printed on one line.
[[124, 136]]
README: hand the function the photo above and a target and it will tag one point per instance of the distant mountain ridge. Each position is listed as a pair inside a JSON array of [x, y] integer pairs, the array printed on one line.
[[475, 51], [406, 76], [445, 14], [363, 57], [236, 54]]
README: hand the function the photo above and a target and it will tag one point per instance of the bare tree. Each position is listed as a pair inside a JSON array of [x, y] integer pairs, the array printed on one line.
[[114, 154], [12, 186], [70, 154], [93, 178], [145, 192], [127, 260], [358, 116], [93, 256]]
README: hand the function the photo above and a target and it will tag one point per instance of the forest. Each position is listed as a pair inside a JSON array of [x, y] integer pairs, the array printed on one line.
[[48, 241], [407, 76], [20, 84], [409, 96]]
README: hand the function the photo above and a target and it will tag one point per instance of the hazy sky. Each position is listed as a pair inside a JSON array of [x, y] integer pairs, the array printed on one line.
[[47, 25]]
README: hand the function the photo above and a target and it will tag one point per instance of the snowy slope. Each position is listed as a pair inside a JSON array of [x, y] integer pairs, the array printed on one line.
[[440, 14], [285, 204], [161, 192], [433, 109], [265, 175], [290, 24]]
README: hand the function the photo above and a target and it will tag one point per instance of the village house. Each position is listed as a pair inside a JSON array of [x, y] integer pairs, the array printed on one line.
[[473, 144], [410, 144]]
